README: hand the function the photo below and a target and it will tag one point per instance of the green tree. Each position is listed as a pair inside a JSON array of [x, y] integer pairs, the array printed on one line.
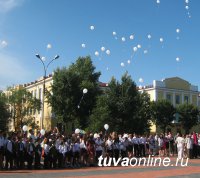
[[121, 108], [188, 116], [143, 119], [67, 92], [100, 115], [162, 113], [23, 106], [4, 114]]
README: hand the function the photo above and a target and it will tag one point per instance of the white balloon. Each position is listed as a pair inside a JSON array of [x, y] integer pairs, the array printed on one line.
[[85, 90], [42, 131], [158, 1], [91, 27], [106, 126], [123, 39], [186, 1], [140, 87], [149, 36], [161, 40], [141, 80], [177, 30], [145, 51], [25, 128], [177, 59], [187, 7], [103, 48], [49, 46], [114, 33], [139, 46], [3, 44], [131, 37], [108, 52], [96, 53], [125, 136], [83, 45], [122, 64], [129, 61], [107, 68], [134, 49], [77, 131], [95, 135], [43, 58]]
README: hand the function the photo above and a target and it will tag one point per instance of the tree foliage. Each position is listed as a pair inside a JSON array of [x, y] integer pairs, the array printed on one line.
[[122, 107], [162, 113], [4, 114], [23, 106], [188, 116], [67, 92]]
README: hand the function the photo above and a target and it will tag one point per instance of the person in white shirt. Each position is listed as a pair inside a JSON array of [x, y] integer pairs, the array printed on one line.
[[142, 142], [151, 141], [109, 146], [130, 146], [161, 145], [189, 145], [83, 150], [135, 141], [122, 148], [9, 153], [62, 149], [46, 153], [180, 145], [76, 152], [98, 147]]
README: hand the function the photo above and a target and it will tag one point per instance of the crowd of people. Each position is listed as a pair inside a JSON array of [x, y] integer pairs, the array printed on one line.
[[20, 150]]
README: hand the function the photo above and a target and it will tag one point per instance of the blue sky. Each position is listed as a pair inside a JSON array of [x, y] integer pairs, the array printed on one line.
[[27, 26]]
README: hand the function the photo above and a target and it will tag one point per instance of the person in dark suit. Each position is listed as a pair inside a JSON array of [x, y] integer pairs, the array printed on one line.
[[38, 153], [20, 153], [30, 153], [9, 149]]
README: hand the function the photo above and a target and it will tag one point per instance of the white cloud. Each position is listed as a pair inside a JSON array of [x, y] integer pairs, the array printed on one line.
[[12, 71], [8, 5]]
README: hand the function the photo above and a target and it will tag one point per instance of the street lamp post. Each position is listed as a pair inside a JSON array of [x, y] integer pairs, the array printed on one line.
[[44, 77]]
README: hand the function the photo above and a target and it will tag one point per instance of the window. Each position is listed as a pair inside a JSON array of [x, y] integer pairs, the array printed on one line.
[[168, 97], [35, 93], [186, 99], [177, 99], [40, 93]]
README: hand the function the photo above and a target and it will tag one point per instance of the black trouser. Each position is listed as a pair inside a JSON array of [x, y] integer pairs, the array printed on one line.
[[60, 160], [195, 151], [98, 154], [1, 157], [123, 154], [37, 160], [116, 154], [136, 150], [30, 160], [189, 153], [9, 159], [20, 159], [52, 160], [46, 161], [142, 150]]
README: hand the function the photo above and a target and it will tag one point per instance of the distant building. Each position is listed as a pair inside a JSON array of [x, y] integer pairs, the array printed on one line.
[[175, 90], [36, 88]]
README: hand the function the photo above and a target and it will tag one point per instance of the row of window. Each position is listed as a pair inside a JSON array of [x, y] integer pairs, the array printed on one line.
[[177, 98], [34, 93]]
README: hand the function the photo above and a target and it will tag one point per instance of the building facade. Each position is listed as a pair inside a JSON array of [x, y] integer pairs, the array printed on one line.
[[175, 90], [36, 89]]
